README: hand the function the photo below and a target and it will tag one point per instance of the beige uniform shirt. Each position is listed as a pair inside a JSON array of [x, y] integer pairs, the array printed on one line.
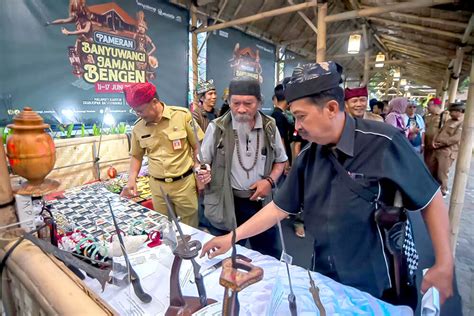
[[433, 126], [373, 117], [168, 143], [449, 136]]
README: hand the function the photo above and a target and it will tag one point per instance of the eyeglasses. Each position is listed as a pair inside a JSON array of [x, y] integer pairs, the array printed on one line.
[[412, 107]]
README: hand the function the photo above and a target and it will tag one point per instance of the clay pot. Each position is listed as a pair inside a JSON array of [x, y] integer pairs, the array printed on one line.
[[30, 150]]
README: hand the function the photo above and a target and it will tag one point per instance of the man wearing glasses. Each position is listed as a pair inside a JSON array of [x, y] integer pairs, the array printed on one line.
[[165, 134], [416, 128]]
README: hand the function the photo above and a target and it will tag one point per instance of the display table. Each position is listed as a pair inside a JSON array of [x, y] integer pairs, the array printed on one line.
[[153, 265]]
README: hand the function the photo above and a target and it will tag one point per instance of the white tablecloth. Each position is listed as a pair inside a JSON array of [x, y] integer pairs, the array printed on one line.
[[267, 297]]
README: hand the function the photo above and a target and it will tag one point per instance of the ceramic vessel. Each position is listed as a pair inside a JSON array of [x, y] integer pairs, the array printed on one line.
[[30, 150]]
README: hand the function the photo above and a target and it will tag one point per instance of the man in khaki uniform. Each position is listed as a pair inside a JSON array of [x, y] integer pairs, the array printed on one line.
[[434, 121], [165, 134], [446, 144], [356, 104]]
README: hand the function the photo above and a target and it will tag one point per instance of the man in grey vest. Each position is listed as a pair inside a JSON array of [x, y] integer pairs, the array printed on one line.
[[246, 158]]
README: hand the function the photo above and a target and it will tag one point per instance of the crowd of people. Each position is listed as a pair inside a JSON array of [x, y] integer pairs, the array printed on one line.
[[326, 156]]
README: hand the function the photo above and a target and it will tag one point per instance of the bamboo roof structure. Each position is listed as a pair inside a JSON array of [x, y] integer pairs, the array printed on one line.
[[420, 37]]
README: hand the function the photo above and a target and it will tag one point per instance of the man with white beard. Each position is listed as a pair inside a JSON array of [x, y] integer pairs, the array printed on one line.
[[245, 155]]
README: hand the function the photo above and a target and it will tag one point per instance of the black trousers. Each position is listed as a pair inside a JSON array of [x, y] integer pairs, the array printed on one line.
[[267, 243]]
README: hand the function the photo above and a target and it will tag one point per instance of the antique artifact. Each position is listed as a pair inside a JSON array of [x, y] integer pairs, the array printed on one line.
[[31, 152]]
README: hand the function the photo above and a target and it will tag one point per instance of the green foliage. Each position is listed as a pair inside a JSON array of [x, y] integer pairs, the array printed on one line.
[[96, 130], [122, 128], [69, 131], [4, 133], [83, 130], [112, 130]]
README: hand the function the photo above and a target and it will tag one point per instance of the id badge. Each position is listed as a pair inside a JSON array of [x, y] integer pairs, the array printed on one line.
[[177, 144]]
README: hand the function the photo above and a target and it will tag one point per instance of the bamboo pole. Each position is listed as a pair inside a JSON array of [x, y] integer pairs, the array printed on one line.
[[313, 38], [445, 88], [403, 61], [365, 80], [305, 18], [443, 22], [194, 57], [258, 16], [454, 82], [7, 213], [321, 37], [349, 15], [418, 28], [463, 164]]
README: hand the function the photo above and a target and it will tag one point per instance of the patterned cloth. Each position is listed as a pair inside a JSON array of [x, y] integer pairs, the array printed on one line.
[[409, 251], [204, 86]]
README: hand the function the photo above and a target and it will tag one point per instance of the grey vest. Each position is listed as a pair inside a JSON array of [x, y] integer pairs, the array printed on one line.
[[218, 198]]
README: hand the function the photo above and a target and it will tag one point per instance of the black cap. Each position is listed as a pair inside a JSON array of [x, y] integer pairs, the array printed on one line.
[[245, 86], [457, 106], [313, 78]]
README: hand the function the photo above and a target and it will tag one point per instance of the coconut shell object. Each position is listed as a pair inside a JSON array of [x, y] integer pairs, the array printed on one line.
[[30, 150]]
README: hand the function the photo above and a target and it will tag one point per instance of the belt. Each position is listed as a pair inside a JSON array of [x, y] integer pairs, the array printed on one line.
[[169, 180], [243, 194]]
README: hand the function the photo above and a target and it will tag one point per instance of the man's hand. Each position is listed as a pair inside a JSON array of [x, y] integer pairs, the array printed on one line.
[[217, 246], [204, 175], [262, 189], [130, 190], [440, 277]]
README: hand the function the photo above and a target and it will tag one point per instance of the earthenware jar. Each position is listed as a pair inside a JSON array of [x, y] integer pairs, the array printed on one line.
[[30, 150]]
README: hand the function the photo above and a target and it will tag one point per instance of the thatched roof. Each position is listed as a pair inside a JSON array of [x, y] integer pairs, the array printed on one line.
[[428, 37]]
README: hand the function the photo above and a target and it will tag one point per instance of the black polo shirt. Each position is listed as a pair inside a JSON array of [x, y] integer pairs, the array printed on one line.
[[285, 129], [348, 245]]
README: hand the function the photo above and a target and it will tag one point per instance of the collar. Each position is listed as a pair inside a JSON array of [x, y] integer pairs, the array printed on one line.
[[258, 121], [166, 114], [346, 142]]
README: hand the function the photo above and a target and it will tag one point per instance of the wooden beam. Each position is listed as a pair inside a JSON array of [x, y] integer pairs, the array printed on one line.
[[310, 39], [468, 30], [463, 164], [411, 43], [425, 19], [402, 61], [194, 56], [258, 16], [366, 79], [418, 28], [454, 82], [305, 18], [239, 7], [321, 36], [384, 9]]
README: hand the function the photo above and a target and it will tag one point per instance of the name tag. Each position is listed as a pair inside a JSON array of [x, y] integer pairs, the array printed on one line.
[[177, 144]]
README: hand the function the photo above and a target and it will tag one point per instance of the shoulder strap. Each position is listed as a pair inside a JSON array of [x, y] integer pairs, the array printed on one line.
[[350, 183], [441, 123]]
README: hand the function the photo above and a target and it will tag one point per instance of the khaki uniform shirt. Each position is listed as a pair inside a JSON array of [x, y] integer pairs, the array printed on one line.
[[168, 143], [373, 117], [433, 126], [449, 136]]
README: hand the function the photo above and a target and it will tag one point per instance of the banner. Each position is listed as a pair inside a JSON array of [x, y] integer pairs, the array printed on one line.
[[70, 60], [291, 61], [232, 53]]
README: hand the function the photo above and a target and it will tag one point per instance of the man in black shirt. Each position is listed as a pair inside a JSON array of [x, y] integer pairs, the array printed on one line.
[[284, 127], [348, 244]]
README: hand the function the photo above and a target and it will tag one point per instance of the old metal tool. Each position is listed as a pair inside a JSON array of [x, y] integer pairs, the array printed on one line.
[[69, 259], [134, 278], [291, 296], [190, 251], [236, 275], [315, 293]]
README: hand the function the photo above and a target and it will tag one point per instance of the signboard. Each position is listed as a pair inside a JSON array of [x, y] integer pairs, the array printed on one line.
[[71, 60], [232, 53]]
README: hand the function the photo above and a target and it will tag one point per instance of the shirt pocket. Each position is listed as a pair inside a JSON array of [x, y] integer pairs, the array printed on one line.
[[177, 140], [147, 143]]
